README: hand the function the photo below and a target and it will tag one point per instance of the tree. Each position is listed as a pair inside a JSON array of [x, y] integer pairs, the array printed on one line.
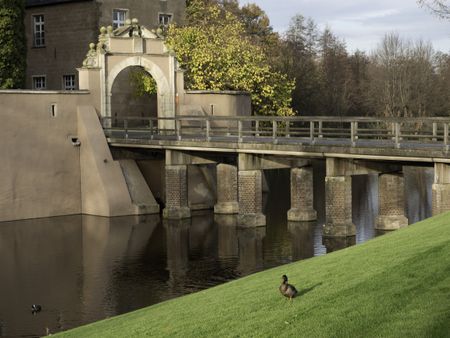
[[441, 99], [12, 44], [334, 74], [439, 7], [403, 77], [358, 85], [217, 54], [299, 60]]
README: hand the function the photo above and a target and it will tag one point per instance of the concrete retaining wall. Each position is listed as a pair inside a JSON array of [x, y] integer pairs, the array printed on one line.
[[56, 161], [40, 167], [215, 103]]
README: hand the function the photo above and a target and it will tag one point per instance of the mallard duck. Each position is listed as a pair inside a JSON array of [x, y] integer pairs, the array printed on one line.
[[35, 308], [286, 289]]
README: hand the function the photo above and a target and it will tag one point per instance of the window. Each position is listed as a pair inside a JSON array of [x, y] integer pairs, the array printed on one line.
[[39, 82], [119, 17], [69, 82], [38, 31], [165, 19]]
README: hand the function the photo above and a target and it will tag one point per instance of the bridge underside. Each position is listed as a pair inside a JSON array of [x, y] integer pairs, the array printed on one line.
[[239, 181]]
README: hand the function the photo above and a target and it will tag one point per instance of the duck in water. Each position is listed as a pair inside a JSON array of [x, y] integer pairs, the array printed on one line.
[[287, 289], [35, 308]]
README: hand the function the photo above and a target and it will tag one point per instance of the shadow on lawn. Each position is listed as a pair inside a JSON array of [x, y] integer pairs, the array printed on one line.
[[305, 291]]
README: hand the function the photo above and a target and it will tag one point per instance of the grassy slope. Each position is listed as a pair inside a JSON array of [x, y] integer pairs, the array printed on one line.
[[396, 285]]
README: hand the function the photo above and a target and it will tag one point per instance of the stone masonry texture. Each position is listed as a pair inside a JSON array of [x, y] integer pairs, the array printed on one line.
[[176, 186], [441, 198], [250, 192], [227, 187], [391, 192], [302, 188], [338, 194]]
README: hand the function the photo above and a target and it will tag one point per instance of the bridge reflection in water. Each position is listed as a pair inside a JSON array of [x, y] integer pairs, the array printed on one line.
[[82, 268]]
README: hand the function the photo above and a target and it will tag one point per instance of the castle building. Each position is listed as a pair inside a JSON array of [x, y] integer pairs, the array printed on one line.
[[59, 32]]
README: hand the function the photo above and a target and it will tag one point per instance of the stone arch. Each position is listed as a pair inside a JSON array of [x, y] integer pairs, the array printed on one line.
[[166, 104]]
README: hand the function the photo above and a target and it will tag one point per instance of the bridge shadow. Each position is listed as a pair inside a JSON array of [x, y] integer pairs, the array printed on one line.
[[305, 291]]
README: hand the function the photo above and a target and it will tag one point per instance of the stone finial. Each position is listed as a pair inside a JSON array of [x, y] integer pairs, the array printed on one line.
[[135, 28], [127, 22], [110, 30], [91, 60], [103, 40]]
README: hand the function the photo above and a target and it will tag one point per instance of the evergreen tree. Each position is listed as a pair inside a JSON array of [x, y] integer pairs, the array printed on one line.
[[12, 44]]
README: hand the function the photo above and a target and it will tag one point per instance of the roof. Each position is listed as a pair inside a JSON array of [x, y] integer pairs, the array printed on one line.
[[34, 3]]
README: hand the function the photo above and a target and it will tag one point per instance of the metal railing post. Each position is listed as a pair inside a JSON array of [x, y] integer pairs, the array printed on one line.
[[239, 131], [445, 137], [257, 128], [178, 128], [208, 130], [274, 131], [151, 130], [320, 129], [125, 126], [397, 135], [434, 139], [353, 132], [311, 131], [288, 129]]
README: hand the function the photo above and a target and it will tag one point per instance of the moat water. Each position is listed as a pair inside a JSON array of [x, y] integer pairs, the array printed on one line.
[[82, 269]]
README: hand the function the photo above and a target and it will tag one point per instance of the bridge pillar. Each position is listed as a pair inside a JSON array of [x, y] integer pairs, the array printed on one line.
[[391, 200], [441, 188], [227, 190], [250, 199], [338, 197], [176, 193], [302, 187]]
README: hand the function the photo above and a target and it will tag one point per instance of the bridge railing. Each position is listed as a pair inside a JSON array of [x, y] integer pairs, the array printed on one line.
[[352, 131]]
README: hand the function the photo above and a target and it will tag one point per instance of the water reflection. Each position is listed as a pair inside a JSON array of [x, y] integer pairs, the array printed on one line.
[[338, 243], [243, 244], [177, 239], [83, 268], [302, 239], [250, 249]]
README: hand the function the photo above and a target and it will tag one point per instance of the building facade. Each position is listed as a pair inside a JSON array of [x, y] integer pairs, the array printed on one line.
[[59, 32]]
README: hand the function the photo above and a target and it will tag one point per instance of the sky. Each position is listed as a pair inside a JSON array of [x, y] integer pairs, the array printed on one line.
[[362, 23]]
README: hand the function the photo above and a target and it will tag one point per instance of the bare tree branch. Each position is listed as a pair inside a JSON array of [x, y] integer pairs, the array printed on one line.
[[441, 8]]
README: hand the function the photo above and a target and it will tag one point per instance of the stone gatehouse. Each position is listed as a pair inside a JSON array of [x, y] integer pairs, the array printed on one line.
[[59, 32]]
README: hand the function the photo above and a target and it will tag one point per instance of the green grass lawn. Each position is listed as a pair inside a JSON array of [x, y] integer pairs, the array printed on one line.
[[397, 285]]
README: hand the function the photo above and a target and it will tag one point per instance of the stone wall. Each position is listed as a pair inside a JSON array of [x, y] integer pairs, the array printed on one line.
[[40, 165], [69, 28], [56, 161], [146, 11], [215, 103]]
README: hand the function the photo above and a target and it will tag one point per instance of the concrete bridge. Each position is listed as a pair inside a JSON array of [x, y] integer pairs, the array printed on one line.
[[242, 147]]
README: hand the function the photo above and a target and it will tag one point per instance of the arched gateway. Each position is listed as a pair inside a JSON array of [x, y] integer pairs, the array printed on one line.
[[130, 46]]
